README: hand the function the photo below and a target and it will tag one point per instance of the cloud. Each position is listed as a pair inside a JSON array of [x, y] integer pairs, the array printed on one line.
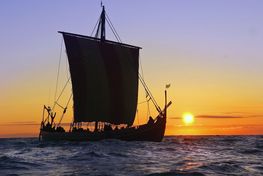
[[174, 118], [229, 128], [21, 123], [255, 116], [218, 117], [25, 123], [211, 117], [223, 115], [227, 116], [234, 112]]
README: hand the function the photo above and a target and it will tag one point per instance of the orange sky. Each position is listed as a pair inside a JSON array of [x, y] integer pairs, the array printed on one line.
[[23, 110], [210, 53]]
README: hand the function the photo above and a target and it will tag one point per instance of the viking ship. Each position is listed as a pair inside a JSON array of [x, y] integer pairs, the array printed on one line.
[[105, 77]]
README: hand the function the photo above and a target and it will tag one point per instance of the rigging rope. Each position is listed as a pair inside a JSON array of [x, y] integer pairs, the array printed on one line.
[[56, 99], [140, 76], [149, 93], [98, 29], [114, 32], [95, 26], [148, 109], [143, 102], [58, 69], [65, 109], [59, 105], [141, 67], [146, 94], [112, 28], [61, 93]]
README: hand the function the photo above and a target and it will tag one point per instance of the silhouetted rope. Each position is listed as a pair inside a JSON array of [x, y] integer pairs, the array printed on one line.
[[95, 27], [65, 109], [59, 63], [149, 93], [112, 28], [61, 93]]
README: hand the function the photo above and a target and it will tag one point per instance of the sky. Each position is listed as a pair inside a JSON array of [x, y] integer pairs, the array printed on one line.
[[209, 51]]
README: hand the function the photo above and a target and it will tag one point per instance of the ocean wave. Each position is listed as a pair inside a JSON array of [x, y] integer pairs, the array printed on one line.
[[176, 155], [224, 167], [251, 151], [10, 163], [95, 154], [177, 173], [117, 154]]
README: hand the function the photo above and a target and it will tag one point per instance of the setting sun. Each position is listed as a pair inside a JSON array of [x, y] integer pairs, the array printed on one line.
[[188, 118]]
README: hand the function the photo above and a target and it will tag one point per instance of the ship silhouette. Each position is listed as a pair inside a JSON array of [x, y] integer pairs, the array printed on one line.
[[105, 77]]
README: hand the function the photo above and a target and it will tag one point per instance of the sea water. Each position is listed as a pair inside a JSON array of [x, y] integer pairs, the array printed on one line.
[[176, 155]]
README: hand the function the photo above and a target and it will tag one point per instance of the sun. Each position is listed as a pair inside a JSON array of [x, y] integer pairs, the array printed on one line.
[[188, 118]]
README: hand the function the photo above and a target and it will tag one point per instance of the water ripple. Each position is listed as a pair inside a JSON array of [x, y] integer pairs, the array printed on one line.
[[176, 155]]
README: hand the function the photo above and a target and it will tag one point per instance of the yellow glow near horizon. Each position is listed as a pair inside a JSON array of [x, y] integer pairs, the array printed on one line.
[[188, 118]]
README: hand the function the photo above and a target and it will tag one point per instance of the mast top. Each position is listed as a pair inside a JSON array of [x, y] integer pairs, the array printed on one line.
[[102, 22]]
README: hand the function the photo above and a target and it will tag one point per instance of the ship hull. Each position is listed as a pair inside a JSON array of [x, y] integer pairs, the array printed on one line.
[[148, 132]]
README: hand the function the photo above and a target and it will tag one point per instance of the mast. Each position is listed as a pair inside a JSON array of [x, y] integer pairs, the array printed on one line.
[[101, 27], [103, 31], [104, 77]]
